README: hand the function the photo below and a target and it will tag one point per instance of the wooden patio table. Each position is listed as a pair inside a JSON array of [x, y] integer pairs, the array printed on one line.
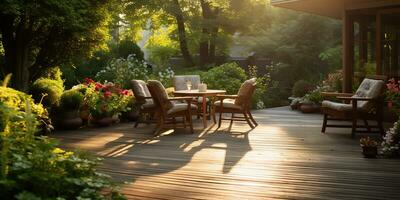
[[204, 95]]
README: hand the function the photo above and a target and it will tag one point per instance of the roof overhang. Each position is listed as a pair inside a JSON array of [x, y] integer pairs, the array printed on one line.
[[332, 8]]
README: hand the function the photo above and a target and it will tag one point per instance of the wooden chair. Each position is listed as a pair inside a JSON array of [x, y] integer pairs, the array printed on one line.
[[144, 102], [168, 109], [180, 84], [237, 104], [365, 104]]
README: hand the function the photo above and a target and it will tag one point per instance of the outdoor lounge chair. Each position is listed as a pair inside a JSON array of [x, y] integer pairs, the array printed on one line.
[[365, 104], [237, 104], [168, 110], [143, 101]]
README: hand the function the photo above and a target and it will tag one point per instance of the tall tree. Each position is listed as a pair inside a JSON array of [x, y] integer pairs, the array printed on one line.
[[40, 34], [144, 9]]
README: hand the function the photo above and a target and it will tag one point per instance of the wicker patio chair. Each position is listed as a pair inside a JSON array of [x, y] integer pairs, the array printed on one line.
[[237, 104], [168, 109], [366, 104]]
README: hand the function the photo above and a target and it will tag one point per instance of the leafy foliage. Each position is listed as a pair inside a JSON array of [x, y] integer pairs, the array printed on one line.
[[71, 99], [47, 91], [34, 168], [106, 100], [228, 76], [100, 60], [22, 102], [50, 33], [301, 88], [122, 71], [391, 141]]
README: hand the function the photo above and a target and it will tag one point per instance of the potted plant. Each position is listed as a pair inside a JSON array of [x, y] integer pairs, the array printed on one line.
[[369, 147], [312, 101], [391, 141], [106, 102], [67, 115], [131, 114]]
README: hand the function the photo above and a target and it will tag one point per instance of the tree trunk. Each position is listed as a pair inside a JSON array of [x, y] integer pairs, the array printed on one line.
[[212, 52], [182, 35], [210, 32], [203, 47], [16, 57]]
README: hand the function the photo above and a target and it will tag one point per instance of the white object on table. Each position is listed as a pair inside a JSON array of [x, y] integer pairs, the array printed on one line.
[[202, 87]]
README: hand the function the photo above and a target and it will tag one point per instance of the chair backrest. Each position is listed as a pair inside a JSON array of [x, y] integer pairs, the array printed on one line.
[[141, 91], [370, 88], [159, 95], [246, 92], [180, 82]]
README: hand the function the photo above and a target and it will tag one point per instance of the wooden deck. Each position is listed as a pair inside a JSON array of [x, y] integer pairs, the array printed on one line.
[[285, 157]]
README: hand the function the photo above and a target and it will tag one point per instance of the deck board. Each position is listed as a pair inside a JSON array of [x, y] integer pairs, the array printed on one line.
[[285, 157]]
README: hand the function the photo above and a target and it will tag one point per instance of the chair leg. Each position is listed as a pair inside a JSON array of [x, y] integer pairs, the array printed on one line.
[[189, 116], [160, 126], [324, 123], [252, 119], [354, 127], [232, 116], [136, 123], [248, 120], [213, 115], [220, 118], [367, 125]]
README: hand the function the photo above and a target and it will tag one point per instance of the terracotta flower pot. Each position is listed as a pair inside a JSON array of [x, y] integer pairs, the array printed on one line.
[[309, 108], [370, 152], [69, 120], [103, 121], [390, 104]]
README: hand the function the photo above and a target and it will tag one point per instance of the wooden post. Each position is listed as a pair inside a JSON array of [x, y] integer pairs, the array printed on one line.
[[378, 48], [363, 44], [348, 52]]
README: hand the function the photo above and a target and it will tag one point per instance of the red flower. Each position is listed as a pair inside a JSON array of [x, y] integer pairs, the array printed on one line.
[[107, 94], [89, 80], [98, 86], [124, 92]]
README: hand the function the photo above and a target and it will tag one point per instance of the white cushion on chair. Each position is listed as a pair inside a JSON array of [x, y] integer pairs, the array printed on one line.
[[368, 88], [177, 107], [337, 106], [228, 103]]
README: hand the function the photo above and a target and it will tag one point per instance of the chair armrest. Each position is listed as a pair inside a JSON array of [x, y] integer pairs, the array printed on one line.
[[356, 98], [224, 96], [336, 94]]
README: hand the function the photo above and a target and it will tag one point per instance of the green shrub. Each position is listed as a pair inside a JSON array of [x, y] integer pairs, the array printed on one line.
[[127, 47], [301, 88], [71, 99], [228, 76], [33, 167], [53, 73], [52, 89], [122, 71], [315, 96]]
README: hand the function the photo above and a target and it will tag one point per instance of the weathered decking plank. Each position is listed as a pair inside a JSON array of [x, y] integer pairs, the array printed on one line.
[[285, 157]]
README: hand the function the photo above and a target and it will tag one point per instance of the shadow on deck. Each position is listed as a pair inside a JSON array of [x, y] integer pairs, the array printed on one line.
[[285, 157]]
